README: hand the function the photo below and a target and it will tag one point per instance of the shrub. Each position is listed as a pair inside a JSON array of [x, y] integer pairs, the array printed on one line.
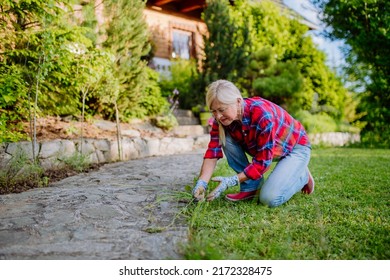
[[13, 103], [152, 101], [20, 174], [183, 74], [166, 122], [77, 162], [316, 123]]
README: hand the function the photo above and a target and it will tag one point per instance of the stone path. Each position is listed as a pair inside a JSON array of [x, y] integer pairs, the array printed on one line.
[[117, 212]]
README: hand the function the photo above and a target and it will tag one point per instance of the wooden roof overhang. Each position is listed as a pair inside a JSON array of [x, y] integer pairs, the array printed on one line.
[[192, 8]]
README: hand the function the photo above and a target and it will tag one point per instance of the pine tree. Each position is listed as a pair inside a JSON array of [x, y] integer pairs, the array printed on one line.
[[128, 39], [226, 45]]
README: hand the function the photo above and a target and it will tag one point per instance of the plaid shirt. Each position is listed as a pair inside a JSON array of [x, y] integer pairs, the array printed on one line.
[[266, 132]]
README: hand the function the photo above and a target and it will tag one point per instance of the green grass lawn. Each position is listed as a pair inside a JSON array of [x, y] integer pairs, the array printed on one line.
[[347, 217]]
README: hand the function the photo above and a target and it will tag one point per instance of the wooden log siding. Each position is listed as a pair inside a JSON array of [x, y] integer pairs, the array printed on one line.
[[163, 16], [162, 24]]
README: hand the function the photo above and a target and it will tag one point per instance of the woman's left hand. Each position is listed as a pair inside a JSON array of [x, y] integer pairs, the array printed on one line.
[[225, 182]]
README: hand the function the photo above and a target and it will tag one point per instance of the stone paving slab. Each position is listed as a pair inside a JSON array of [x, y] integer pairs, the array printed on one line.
[[116, 212]]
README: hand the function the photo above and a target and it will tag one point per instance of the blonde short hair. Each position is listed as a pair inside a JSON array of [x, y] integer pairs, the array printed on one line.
[[225, 92]]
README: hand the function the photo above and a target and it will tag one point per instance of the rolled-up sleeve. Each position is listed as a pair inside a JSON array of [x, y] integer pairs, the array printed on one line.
[[214, 149], [265, 139]]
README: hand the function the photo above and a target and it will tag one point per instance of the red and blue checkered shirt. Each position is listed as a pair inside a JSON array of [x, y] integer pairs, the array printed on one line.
[[266, 132]]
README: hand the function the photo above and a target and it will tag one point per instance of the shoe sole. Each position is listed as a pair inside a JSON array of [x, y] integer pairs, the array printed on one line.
[[311, 190], [246, 198]]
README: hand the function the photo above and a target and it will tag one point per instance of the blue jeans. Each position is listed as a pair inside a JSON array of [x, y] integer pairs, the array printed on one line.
[[288, 177]]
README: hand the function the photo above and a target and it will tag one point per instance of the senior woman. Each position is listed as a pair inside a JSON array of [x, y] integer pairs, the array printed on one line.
[[264, 131]]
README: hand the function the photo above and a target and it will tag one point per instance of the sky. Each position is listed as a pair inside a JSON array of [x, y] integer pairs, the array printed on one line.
[[332, 49]]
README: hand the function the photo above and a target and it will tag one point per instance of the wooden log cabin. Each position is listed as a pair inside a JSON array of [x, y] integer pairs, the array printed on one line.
[[176, 27]]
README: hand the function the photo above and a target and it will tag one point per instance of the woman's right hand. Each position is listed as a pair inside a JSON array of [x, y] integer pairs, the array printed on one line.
[[199, 191]]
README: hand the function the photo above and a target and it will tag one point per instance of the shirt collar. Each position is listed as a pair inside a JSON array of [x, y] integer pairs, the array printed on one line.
[[246, 115]]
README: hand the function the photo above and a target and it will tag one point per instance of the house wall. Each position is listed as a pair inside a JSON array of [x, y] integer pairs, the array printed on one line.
[[162, 23]]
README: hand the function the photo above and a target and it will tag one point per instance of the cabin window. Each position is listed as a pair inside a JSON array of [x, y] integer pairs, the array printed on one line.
[[182, 45]]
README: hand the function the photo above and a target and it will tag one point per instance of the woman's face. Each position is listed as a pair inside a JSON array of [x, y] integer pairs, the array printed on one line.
[[224, 113]]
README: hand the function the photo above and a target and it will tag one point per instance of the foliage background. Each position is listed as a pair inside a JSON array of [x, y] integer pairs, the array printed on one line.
[[63, 61], [365, 28], [57, 58], [278, 61]]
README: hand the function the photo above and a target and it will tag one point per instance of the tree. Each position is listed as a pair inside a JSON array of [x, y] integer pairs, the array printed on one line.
[[53, 62], [34, 60], [286, 66], [280, 84], [227, 43], [365, 27], [36, 34], [128, 39], [20, 38]]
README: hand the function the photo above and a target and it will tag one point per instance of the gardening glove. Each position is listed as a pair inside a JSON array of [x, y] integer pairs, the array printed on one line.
[[225, 182], [199, 191]]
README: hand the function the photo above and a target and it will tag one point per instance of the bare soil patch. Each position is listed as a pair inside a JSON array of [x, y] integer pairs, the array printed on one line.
[[51, 128]]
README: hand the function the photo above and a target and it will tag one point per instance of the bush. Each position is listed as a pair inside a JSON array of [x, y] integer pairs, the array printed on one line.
[[20, 174], [372, 139], [183, 74], [153, 101], [77, 162], [167, 119], [316, 123], [166, 122], [13, 103]]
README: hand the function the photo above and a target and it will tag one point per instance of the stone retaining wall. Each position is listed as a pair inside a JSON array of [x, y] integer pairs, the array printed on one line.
[[52, 153], [334, 139]]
